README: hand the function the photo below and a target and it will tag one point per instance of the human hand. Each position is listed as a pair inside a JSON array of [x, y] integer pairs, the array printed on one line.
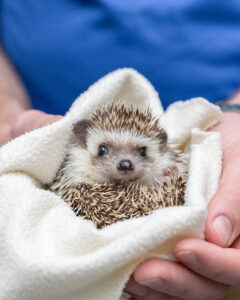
[[206, 269], [25, 121], [158, 279]]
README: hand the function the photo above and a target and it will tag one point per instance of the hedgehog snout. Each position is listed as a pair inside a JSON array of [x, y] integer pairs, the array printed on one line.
[[125, 165]]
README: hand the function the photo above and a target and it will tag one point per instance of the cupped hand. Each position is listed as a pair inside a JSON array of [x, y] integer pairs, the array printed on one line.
[[25, 121], [205, 269]]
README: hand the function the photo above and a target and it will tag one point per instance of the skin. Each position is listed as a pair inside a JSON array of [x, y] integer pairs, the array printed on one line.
[[211, 266]]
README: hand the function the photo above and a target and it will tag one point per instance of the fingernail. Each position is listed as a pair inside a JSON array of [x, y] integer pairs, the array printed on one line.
[[137, 290], [187, 257], [154, 284], [223, 227]]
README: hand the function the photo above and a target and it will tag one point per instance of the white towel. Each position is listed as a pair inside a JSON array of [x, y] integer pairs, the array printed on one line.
[[48, 253]]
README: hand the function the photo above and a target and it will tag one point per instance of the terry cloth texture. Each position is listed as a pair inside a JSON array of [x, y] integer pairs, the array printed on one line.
[[47, 252]]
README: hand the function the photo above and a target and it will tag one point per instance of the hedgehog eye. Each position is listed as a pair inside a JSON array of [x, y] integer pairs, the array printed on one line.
[[102, 150], [142, 151]]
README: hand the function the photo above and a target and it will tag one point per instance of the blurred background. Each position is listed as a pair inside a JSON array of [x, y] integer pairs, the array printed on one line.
[[186, 48]]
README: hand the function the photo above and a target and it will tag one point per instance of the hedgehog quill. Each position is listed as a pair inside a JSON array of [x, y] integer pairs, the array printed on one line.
[[119, 165]]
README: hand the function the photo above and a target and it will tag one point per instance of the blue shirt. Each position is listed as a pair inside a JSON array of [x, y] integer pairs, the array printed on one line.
[[186, 48]]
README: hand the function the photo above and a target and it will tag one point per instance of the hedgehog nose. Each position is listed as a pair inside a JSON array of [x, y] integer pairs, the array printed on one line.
[[125, 165]]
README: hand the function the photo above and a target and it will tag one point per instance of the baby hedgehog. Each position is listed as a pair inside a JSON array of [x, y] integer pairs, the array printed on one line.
[[119, 165]]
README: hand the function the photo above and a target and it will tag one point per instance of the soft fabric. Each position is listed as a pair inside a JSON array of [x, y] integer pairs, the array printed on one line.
[[186, 48], [47, 252]]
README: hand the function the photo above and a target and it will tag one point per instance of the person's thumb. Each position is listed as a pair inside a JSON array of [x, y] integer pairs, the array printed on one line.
[[223, 221], [30, 120]]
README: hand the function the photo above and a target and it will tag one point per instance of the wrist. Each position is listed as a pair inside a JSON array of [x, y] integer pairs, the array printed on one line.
[[227, 106], [235, 99], [232, 104], [10, 109]]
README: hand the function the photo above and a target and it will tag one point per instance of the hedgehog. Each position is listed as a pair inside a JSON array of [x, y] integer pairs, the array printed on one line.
[[119, 165]]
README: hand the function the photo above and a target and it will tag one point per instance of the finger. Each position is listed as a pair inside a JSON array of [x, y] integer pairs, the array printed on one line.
[[152, 295], [47, 120], [211, 261], [30, 120], [223, 222], [174, 279], [236, 244], [133, 288]]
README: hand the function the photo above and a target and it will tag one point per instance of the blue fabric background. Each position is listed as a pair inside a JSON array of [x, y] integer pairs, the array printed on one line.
[[186, 48]]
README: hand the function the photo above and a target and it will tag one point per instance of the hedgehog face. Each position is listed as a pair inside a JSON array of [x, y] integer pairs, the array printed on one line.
[[124, 157], [118, 162], [117, 148]]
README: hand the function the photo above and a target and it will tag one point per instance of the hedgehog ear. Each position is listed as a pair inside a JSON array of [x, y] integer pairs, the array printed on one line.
[[163, 138], [80, 130]]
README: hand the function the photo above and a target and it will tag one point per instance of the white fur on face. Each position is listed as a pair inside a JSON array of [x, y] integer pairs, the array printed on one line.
[[84, 165], [78, 167]]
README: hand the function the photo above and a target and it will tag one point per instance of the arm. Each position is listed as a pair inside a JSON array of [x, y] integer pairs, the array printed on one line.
[[16, 117], [13, 97]]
